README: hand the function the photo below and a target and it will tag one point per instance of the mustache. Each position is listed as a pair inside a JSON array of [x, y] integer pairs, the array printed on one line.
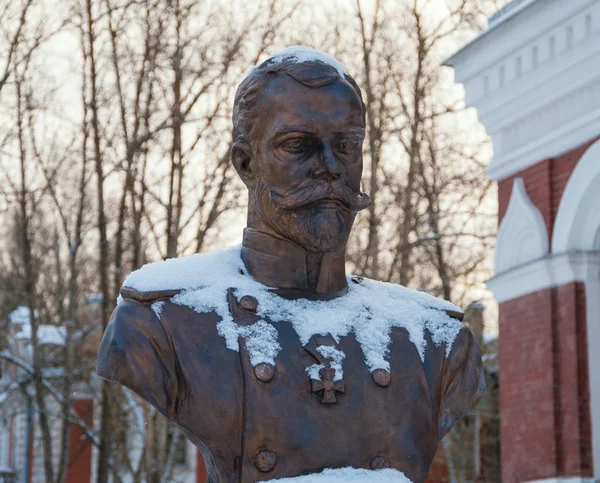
[[313, 192]]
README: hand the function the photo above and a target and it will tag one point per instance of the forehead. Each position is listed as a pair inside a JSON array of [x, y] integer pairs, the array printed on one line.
[[335, 107]]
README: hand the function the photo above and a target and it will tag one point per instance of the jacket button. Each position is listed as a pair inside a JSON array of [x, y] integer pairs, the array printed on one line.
[[264, 371], [265, 460], [382, 377], [379, 462], [249, 303]]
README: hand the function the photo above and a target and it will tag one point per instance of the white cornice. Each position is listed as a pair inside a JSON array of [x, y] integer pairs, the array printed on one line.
[[535, 82], [552, 130], [549, 271], [493, 24]]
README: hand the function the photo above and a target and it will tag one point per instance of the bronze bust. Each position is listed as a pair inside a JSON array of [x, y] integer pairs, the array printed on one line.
[[272, 360]]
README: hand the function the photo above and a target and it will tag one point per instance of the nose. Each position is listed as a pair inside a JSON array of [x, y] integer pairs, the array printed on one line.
[[328, 167]]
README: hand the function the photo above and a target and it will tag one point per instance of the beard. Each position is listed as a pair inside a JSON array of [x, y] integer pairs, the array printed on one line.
[[318, 216]]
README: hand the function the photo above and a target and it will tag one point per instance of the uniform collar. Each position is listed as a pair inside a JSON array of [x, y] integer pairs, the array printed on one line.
[[292, 271]]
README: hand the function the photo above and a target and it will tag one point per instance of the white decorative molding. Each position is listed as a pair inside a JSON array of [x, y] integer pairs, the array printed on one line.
[[534, 79], [510, 9], [592, 300], [550, 271], [522, 236], [578, 219]]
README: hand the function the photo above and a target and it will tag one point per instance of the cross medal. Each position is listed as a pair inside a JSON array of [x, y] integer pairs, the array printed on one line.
[[327, 385]]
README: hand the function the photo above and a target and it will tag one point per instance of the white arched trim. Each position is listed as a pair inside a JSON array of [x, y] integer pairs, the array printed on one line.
[[578, 218], [522, 236], [576, 230]]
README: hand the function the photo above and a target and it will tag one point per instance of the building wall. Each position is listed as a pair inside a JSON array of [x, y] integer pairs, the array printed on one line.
[[544, 386], [80, 447], [545, 379], [533, 77], [527, 425]]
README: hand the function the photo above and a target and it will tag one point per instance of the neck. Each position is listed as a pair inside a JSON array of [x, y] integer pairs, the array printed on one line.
[[291, 270]]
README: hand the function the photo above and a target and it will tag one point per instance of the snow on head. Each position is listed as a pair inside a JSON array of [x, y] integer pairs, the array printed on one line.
[[369, 310], [300, 54], [349, 475]]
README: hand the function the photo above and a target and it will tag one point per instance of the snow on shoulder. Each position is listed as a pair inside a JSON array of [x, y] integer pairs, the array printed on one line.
[[301, 53], [349, 475], [369, 310]]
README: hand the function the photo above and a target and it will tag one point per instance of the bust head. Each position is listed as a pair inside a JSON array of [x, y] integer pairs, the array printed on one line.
[[298, 130]]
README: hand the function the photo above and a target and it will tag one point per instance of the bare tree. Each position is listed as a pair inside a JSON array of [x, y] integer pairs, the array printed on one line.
[[12, 30], [143, 172]]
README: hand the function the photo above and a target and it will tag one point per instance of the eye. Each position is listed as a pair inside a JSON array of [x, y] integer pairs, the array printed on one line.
[[348, 146], [297, 145]]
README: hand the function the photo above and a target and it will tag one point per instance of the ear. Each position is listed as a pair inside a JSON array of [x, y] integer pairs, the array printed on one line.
[[243, 162]]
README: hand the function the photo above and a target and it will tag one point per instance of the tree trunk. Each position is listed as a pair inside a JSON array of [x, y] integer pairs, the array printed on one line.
[[30, 293], [105, 403]]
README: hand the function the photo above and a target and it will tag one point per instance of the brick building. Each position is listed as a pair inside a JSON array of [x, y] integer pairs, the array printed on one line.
[[534, 77]]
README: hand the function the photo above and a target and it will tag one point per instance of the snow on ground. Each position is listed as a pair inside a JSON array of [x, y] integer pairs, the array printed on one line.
[[370, 308], [349, 475]]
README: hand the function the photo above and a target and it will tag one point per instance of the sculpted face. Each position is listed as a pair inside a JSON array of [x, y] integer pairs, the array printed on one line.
[[306, 149]]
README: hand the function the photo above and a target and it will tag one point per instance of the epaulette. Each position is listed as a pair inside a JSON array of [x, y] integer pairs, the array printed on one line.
[[455, 314], [147, 297]]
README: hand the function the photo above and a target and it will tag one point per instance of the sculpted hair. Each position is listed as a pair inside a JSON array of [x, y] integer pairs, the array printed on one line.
[[310, 73]]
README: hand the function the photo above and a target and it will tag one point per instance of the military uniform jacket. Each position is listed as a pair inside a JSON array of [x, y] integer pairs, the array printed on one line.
[[255, 423]]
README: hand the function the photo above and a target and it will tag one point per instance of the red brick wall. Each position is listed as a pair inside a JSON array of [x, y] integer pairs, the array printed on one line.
[[544, 390], [527, 425], [545, 183], [438, 472], [80, 447], [200, 468], [573, 396]]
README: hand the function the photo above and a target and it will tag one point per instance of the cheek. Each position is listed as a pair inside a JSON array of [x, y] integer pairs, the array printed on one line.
[[280, 174], [354, 174]]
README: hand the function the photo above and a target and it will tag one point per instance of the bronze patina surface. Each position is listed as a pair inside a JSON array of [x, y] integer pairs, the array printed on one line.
[[298, 134]]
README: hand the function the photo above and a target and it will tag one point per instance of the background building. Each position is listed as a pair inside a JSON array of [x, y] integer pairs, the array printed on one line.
[[534, 77], [21, 455]]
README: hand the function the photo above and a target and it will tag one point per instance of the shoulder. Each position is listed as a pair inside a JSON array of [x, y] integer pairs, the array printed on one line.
[[136, 351], [133, 326], [406, 296], [442, 319], [166, 278], [463, 380]]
